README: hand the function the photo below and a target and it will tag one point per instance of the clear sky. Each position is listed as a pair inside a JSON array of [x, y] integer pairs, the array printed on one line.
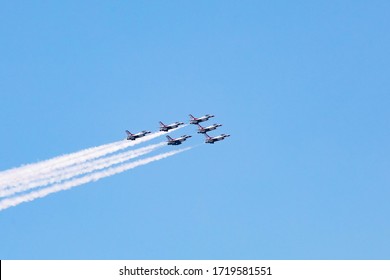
[[302, 86]]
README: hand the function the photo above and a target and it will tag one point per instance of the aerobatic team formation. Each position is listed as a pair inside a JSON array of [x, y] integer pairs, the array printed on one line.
[[37, 180], [181, 139]]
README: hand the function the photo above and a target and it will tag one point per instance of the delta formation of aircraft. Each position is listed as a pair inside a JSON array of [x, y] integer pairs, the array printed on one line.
[[181, 139]]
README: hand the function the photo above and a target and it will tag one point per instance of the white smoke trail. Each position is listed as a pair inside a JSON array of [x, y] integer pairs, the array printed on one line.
[[9, 202], [13, 172], [28, 172], [76, 170]]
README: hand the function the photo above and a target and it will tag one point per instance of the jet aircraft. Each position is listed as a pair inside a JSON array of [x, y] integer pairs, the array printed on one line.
[[131, 136], [202, 129], [177, 141], [194, 120], [164, 127], [211, 140]]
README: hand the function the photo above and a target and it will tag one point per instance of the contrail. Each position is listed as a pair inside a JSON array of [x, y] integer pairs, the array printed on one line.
[[47, 166], [9, 177], [9, 202], [62, 174], [56, 161]]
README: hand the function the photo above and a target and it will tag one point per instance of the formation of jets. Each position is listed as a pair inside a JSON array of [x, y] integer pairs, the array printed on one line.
[[204, 130], [181, 139]]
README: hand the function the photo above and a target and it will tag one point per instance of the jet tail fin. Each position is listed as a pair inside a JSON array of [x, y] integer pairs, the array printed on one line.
[[169, 138], [192, 117], [161, 124], [128, 133]]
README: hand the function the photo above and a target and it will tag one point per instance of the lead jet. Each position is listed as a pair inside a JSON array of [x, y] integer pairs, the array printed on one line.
[[211, 140], [164, 127], [177, 141], [194, 120], [202, 129], [131, 136]]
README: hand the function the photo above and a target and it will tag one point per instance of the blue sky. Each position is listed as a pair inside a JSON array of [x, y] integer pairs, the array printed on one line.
[[302, 87]]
